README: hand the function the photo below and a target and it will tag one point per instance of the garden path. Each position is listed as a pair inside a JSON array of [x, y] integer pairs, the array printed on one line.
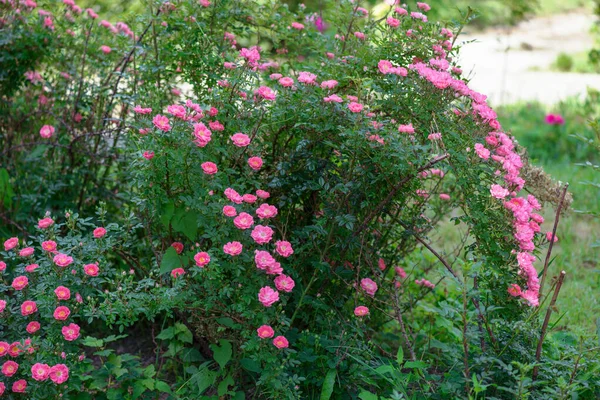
[[511, 65]]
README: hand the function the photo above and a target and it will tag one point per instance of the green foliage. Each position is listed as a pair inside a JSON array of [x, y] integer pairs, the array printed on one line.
[[356, 198]]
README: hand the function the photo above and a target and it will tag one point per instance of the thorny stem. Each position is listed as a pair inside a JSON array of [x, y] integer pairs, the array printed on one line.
[[403, 328], [548, 254], [538, 353]]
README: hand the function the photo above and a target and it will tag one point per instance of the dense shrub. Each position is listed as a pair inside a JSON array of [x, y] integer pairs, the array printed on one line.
[[280, 177]]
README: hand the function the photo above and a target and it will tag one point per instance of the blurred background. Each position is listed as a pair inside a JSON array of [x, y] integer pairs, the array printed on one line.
[[538, 61]]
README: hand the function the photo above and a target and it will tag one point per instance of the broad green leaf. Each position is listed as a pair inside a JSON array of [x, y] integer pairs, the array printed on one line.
[[167, 214], [170, 261], [92, 342], [250, 365], [224, 385], [166, 334], [162, 386], [222, 353], [364, 395], [328, 384]]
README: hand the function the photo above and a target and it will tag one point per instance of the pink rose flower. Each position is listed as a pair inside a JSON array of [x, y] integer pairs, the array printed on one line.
[[274, 269], [33, 327], [161, 122], [49, 245], [549, 237], [284, 283], [229, 211], [148, 155], [26, 252], [28, 307], [444, 196], [45, 223], [498, 192], [281, 342], [249, 198], [361, 311], [481, 151], [21, 385], [406, 129], [266, 211], [20, 282], [91, 269], [263, 259], [355, 107], [255, 163], [243, 221], [234, 196], [105, 49], [209, 168], [47, 131], [177, 272], [262, 194], [59, 373], [62, 260], [514, 290], [178, 246], [297, 25], [2, 266], [330, 84], [40, 372], [62, 293], [284, 248], [202, 259], [11, 243], [307, 78], [99, 232], [61, 313], [268, 296], [2, 305], [286, 81], [265, 93], [262, 234], [240, 140], [369, 286], [233, 248], [70, 332], [265, 332]]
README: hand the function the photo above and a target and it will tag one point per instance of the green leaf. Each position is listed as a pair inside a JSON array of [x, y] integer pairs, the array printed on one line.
[[415, 364], [364, 395], [328, 384], [162, 386], [226, 321], [186, 222], [184, 333], [250, 365], [170, 261], [400, 356], [224, 385], [166, 334], [167, 214], [92, 342], [222, 353], [149, 371]]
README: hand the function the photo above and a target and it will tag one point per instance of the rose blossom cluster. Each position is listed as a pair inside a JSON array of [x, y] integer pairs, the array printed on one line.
[[63, 295]]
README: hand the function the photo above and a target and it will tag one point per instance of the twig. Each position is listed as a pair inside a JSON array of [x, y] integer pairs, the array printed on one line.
[[393, 192], [558, 209], [403, 328], [538, 352]]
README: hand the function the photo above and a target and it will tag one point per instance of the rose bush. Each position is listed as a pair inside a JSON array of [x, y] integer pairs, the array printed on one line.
[[287, 174]]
